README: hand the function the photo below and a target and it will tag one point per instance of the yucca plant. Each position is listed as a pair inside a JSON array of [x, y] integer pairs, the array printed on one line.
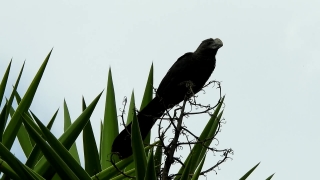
[[49, 157]]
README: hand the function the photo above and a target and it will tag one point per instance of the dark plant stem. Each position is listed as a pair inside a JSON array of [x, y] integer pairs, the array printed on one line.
[[169, 151]]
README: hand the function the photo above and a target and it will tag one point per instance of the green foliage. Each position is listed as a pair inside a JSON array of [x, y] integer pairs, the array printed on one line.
[[198, 171], [110, 131], [49, 157], [150, 171], [139, 154], [91, 153]]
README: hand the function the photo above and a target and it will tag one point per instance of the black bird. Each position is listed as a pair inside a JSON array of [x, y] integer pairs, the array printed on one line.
[[193, 67]]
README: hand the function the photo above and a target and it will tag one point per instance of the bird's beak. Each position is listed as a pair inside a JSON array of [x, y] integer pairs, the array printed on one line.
[[217, 44]]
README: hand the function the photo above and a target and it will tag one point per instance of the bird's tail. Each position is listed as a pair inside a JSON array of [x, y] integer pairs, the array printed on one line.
[[146, 119]]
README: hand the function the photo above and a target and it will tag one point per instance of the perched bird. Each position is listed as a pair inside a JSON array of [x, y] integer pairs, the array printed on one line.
[[194, 67]]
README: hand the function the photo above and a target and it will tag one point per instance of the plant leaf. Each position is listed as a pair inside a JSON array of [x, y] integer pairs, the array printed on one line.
[[67, 157], [3, 122], [91, 154], [55, 160], [211, 134], [14, 125], [101, 132], [131, 112], [249, 172], [122, 177], [147, 97], [69, 136], [139, 155], [110, 125], [23, 136], [131, 108], [270, 177], [158, 158], [7, 170], [18, 99], [4, 81], [198, 171], [151, 172], [36, 151], [23, 170], [13, 162], [186, 171], [67, 122], [24, 140], [206, 134], [111, 171]]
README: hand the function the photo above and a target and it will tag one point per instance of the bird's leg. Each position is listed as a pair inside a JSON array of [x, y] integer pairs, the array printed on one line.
[[189, 85]]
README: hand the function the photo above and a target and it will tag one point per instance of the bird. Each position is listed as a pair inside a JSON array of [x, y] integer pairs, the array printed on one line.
[[194, 68]]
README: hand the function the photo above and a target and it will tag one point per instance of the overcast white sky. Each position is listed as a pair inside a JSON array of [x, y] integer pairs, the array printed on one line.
[[269, 68]]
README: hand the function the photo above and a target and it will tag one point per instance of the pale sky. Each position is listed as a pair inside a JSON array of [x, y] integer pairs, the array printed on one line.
[[269, 68]]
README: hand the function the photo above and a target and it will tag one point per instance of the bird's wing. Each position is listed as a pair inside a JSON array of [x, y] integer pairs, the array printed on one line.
[[176, 73]]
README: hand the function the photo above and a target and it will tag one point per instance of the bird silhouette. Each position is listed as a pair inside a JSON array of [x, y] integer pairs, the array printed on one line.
[[193, 68]]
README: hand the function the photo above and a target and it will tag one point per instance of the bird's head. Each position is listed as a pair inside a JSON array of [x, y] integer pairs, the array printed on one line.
[[209, 44]]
